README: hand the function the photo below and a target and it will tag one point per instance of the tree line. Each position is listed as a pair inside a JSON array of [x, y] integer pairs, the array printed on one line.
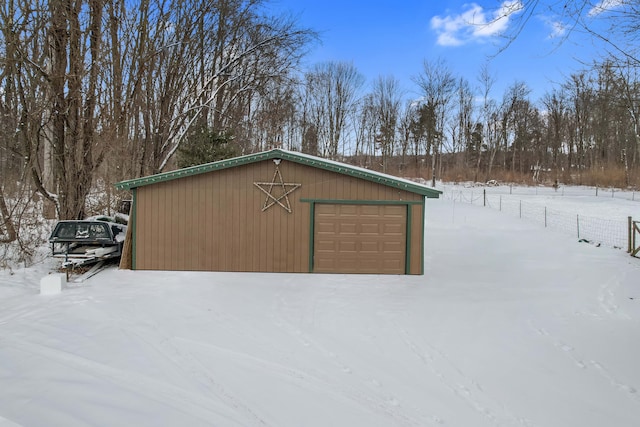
[[97, 91]]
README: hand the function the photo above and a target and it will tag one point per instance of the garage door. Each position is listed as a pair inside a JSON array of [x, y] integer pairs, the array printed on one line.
[[360, 238]]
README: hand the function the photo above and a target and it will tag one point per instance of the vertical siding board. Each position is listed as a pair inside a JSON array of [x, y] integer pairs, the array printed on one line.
[[270, 239], [269, 213], [162, 234], [417, 257], [217, 220], [159, 239], [226, 216], [207, 230], [280, 219], [178, 259], [298, 212], [196, 228], [168, 218], [239, 243], [198, 221], [188, 207], [235, 242], [263, 223], [177, 208], [205, 227], [182, 257], [155, 248], [214, 220], [253, 215], [243, 186], [156, 241], [142, 236]]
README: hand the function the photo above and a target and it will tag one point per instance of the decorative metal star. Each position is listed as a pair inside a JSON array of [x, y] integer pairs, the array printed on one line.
[[283, 195]]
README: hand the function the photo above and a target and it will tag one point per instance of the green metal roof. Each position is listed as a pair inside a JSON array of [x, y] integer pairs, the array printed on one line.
[[304, 159]]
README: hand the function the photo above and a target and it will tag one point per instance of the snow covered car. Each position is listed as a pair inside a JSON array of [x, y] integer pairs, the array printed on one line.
[[82, 242]]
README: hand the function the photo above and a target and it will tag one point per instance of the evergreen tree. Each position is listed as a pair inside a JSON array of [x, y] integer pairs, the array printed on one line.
[[205, 145]]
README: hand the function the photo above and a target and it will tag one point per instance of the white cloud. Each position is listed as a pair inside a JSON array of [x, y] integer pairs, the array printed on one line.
[[605, 5], [474, 23], [558, 29]]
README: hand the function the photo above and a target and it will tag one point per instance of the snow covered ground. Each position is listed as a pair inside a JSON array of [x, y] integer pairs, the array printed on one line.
[[595, 214], [511, 325]]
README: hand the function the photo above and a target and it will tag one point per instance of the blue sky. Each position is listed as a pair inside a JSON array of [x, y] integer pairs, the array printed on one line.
[[395, 37]]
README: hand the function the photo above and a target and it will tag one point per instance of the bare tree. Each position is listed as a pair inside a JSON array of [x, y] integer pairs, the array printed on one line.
[[333, 89], [365, 130], [462, 123], [629, 90], [438, 84], [580, 95], [488, 119], [386, 99], [555, 104]]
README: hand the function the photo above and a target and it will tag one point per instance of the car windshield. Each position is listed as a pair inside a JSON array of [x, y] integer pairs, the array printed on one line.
[[81, 230]]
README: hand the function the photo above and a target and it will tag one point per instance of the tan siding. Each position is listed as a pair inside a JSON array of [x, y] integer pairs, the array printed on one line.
[[214, 221], [417, 257]]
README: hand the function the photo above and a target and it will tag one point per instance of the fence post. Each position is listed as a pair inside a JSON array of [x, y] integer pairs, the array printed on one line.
[[634, 227], [612, 193], [578, 224], [596, 191], [484, 197], [520, 209], [545, 217], [630, 247], [501, 203]]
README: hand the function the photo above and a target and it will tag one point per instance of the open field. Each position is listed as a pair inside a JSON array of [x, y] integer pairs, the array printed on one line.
[[511, 325]]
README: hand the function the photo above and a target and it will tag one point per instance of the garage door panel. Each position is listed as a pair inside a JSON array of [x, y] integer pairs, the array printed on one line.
[[344, 211], [393, 247], [360, 238], [348, 247], [370, 247], [326, 227], [326, 246], [395, 229], [347, 228], [371, 228]]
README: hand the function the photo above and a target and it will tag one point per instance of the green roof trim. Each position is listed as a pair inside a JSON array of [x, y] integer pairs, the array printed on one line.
[[300, 158]]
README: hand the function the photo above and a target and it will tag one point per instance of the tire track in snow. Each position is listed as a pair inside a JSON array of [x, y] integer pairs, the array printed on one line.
[[585, 363], [178, 398], [385, 405], [461, 384], [185, 362], [312, 381]]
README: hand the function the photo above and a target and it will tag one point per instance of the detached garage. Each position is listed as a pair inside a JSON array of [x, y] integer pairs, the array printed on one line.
[[277, 211]]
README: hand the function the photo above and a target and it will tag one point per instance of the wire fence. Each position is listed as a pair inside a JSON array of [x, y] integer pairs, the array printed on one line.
[[561, 191], [614, 233]]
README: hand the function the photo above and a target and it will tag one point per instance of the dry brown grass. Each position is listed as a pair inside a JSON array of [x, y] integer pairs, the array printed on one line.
[[609, 177]]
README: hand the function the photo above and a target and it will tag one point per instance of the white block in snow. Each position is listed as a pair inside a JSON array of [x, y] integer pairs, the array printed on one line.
[[51, 284]]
